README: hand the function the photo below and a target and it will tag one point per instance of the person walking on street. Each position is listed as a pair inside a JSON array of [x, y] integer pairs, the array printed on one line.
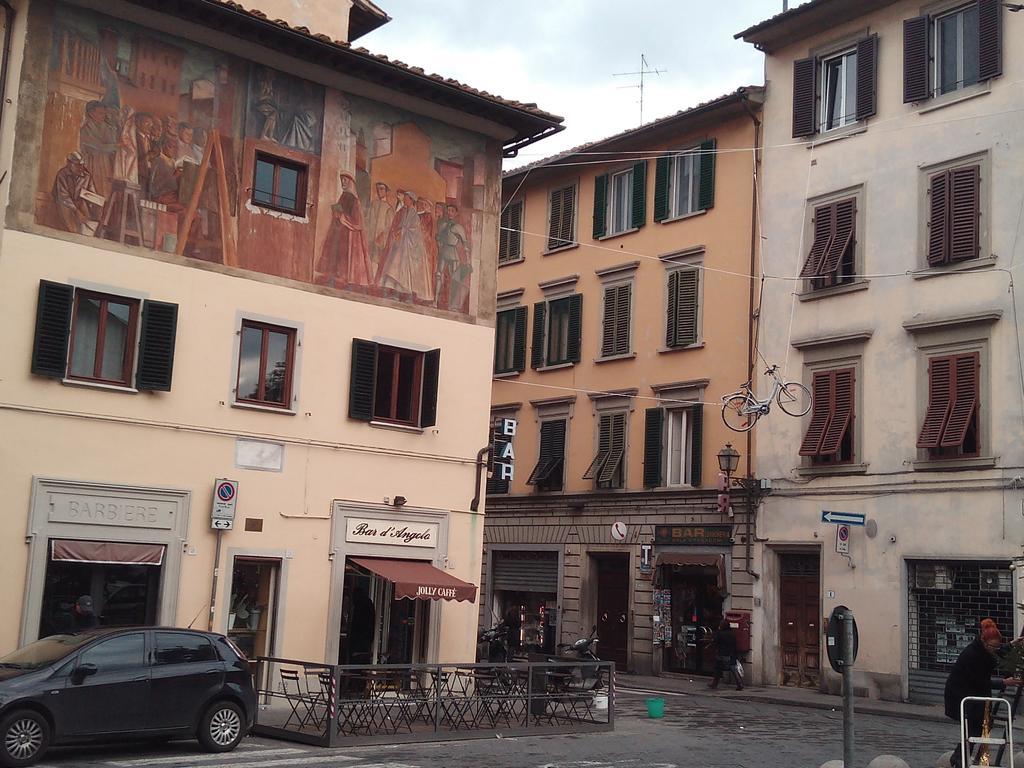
[[972, 675], [724, 642]]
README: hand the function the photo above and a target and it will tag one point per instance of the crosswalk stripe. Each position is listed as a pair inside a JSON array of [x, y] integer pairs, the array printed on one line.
[[248, 752]]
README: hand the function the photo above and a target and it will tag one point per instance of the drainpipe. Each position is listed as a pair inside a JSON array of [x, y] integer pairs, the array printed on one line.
[[752, 501], [481, 462]]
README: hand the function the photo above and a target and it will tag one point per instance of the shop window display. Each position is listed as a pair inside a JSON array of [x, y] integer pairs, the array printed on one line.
[[253, 604], [689, 604]]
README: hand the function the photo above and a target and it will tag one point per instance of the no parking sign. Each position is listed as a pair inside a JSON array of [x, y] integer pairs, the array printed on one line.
[[225, 497], [843, 539]]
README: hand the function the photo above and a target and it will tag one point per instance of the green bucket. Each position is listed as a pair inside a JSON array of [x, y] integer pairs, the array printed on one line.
[[655, 708]]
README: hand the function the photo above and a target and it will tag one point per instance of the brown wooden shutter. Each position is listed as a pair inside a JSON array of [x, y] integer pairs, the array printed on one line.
[[53, 327], [966, 369], [940, 400], [938, 218], [990, 39], [804, 102], [822, 394], [687, 308], [156, 346], [823, 226], [867, 77], [964, 208], [844, 219], [431, 375], [653, 437], [842, 412], [363, 380], [915, 60]]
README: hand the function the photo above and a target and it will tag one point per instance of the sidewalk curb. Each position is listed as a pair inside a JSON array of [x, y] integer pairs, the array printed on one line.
[[860, 705]]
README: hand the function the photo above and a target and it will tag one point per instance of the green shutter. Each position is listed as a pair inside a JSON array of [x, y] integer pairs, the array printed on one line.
[[363, 381], [707, 174], [672, 314], [600, 205], [653, 430], [519, 340], [638, 215], [696, 444], [156, 346], [687, 309], [661, 175], [431, 374], [537, 353], [53, 328], [575, 327]]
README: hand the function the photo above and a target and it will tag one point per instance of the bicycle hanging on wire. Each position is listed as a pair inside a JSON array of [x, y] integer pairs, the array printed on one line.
[[741, 409]]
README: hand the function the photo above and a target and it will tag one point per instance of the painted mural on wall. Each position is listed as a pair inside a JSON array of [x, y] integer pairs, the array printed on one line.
[[153, 141]]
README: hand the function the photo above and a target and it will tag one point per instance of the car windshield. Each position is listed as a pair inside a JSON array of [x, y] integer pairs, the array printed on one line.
[[45, 651]]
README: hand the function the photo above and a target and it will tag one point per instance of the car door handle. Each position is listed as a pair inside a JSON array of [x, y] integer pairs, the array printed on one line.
[[212, 672], [142, 679]]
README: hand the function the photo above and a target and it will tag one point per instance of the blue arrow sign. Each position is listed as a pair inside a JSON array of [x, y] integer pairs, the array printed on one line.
[[842, 518]]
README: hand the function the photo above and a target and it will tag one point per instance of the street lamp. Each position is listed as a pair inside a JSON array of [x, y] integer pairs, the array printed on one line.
[[728, 459]]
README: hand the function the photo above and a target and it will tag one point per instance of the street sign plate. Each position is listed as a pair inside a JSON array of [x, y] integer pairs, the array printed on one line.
[[843, 539], [842, 518], [223, 525], [225, 498]]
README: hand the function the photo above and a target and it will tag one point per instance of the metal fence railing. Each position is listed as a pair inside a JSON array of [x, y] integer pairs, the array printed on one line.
[[332, 705]]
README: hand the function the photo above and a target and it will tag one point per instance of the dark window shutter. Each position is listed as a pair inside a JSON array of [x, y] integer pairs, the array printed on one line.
[[615, 333], [638, 214], [654, 422], [940, 382], [53, 328], [844, 219], [156, 346], [842, 412], [431, 373], [555, 219], [824, 216], [613, 436], [687, 308], [600, 205], [560, 217], [519, 340], [707, 175], [363, 380], [511, 237], [804, 102], [915, 60], [867, 77], [964, 209], [662, 169], [537, 353], [696, 445], [938, 219], [965, 399], [505, 224], [567, 233], [822, 394], [990, 39], [608, 329], [575, 327], [672, 315]]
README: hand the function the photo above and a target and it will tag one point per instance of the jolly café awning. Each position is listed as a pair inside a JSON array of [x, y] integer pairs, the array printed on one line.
[[106, 552], [705, 563], [418, 580]]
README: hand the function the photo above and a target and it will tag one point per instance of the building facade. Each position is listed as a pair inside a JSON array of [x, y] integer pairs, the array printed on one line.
[[891, 198], [231, 251], [623, 317]]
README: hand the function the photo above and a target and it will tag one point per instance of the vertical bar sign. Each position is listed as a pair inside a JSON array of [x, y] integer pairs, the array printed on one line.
[[503, 457]]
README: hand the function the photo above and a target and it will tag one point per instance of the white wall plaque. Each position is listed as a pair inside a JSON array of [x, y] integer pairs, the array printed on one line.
[[400, 533], [259, 454]]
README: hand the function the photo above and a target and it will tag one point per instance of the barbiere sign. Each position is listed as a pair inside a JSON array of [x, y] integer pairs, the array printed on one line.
[[502, 456]]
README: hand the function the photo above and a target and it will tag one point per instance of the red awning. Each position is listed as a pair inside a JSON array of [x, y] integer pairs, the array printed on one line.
[[109, 552], [687, 560], [418, 580]]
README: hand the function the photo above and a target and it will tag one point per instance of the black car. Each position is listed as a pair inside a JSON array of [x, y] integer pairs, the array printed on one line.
[[119, 684]]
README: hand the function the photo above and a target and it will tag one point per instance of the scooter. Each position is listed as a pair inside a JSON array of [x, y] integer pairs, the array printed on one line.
[[584, 648], [492, 645], [585, 677]]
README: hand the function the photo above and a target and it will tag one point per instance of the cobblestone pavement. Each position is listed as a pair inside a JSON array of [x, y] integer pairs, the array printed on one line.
[[696, 732]]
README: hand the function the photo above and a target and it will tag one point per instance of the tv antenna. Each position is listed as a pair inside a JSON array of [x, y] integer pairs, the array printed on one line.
[[645, 69]]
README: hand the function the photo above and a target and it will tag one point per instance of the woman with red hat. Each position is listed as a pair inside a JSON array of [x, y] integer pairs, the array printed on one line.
[[972, 675]]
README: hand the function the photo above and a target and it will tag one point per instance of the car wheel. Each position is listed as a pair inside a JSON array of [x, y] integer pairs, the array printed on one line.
[[24, 737], [222, 727]]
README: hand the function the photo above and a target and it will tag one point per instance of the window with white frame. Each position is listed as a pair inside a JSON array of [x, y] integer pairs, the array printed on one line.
[[620, 202], [677, 447], [838, 90], [956, 49]]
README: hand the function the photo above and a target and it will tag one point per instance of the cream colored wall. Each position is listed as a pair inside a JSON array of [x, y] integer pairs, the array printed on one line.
[[185, 438], [724, 231], [929, 514]]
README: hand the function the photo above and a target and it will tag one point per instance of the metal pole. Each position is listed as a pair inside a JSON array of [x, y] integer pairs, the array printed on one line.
[[848, 689], [213, 586]]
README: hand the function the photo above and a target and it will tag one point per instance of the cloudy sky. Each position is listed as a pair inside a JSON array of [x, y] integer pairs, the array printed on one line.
[[562, 54]]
